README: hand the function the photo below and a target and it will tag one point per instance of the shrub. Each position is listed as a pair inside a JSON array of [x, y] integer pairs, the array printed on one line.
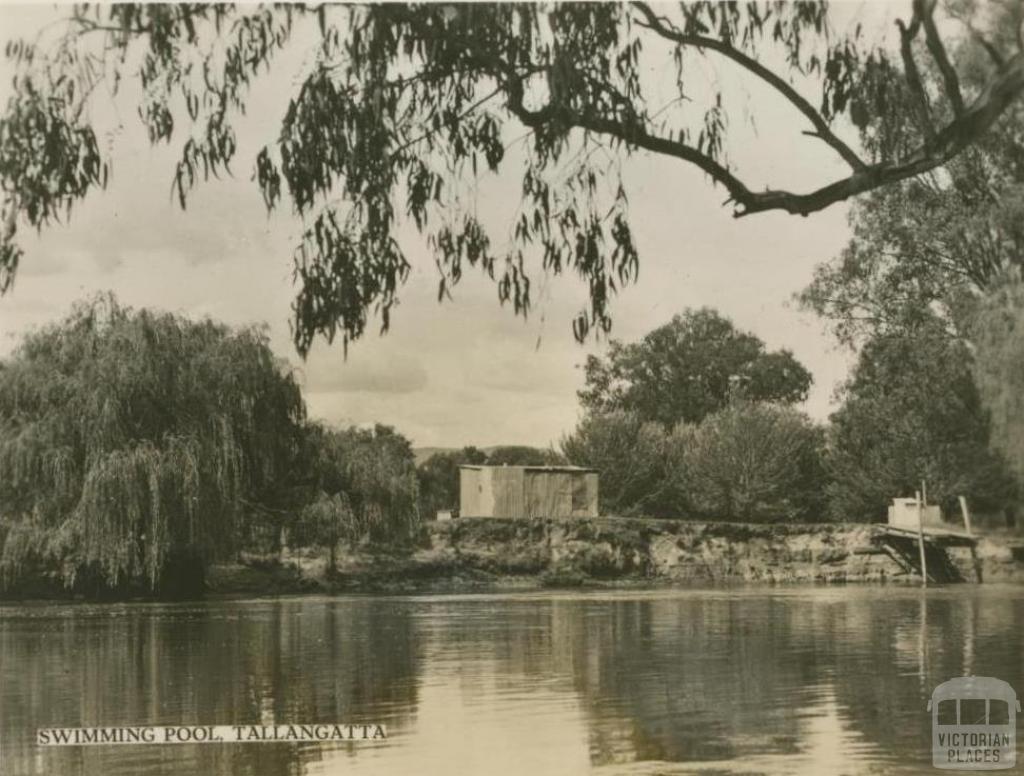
[[631, 457], [751, 462]]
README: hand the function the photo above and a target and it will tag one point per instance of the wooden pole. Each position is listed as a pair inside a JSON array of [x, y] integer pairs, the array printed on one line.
[[967, 515], [920, 540], [967, 527]]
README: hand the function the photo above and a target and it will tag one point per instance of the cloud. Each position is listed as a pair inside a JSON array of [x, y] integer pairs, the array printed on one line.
[[50, 262], [464, 372], [330, 373]]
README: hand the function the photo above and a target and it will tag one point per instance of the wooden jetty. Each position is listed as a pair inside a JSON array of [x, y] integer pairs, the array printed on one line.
[[903, 546]]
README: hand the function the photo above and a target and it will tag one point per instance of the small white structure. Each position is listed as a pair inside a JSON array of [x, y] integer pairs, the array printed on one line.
[[903, 514], [444, 514]]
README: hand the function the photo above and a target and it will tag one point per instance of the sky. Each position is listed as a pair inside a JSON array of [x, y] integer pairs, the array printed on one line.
[[461, 372]]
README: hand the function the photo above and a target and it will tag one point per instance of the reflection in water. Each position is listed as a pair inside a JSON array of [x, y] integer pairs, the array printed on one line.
[[226, 663], [814, 681]]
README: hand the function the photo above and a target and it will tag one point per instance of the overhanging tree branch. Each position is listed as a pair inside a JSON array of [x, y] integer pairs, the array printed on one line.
[[822, 130], [634, 134], [393, 121], [986, 44], [913, 76], [925, 10], [938, 149]]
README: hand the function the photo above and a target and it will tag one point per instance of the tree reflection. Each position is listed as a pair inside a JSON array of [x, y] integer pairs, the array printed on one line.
[[723, 679], [273, 662]]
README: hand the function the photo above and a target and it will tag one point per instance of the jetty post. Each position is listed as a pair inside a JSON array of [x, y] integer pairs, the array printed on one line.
[[967, 527], [920, 540]]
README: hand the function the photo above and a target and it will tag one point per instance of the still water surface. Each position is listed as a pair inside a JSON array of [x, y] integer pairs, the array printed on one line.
[[816, 681]]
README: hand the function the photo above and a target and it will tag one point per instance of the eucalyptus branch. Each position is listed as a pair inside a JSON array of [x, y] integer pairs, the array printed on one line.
[[913, 75], [925, 10], [634, 134], [991, 50], [821, 128], [421, 137]]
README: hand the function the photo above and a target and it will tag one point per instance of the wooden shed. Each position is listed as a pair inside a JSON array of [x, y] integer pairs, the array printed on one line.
[[527, 491], [903, 514]]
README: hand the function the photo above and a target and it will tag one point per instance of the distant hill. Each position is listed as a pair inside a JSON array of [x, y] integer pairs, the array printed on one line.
[[423, 453]]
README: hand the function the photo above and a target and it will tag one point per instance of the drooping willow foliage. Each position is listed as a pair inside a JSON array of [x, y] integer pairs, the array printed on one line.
[[129, 438], [361, 483]]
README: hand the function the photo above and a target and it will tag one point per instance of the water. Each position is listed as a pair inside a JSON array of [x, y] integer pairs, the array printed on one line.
[[816, 681]]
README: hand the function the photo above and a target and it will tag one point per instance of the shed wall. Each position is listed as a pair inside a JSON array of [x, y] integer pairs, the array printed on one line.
[[507, 485], [588, 503], [518, 492], [548, 494], [903, 514], [470, 488], [561, 494]]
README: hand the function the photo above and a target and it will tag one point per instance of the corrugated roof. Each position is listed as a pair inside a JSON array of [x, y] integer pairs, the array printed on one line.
[[545, 468]]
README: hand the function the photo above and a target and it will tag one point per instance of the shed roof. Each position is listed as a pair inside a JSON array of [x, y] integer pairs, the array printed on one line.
[[544, 468]]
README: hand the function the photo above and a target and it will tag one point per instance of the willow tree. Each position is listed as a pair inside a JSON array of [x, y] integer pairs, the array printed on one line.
[[360, 484], [131, 440], [399, 109]]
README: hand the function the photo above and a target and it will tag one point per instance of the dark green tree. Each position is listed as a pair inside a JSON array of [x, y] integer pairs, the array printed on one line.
[[633, 460], [942, 253], [362, 486], [752, 462], [131, 441], [997, 333], [401, 108], [912, 412], [747, 461], [689, 368]]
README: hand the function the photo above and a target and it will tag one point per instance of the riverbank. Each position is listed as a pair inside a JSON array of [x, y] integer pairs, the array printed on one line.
[[501, 555], [496, 554]]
